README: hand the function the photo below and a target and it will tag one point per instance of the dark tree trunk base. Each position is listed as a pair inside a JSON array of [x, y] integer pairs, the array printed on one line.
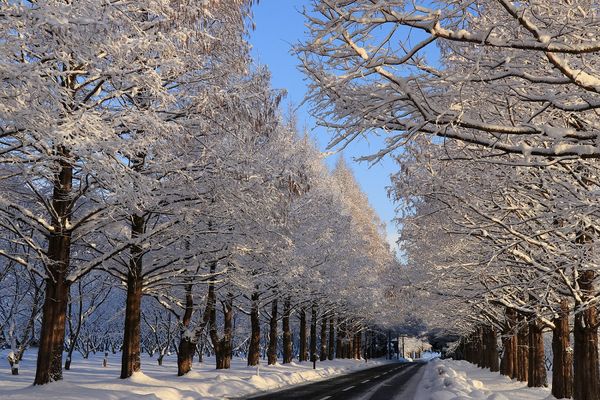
[[287, 334], [537, 368], [185, 356], [331, 349], [562, 361], [586, 379], [272, 351], [254, 349], [303, 353]]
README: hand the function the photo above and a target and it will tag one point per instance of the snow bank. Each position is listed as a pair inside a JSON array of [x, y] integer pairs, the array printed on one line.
[[460, 380], [88, 380]]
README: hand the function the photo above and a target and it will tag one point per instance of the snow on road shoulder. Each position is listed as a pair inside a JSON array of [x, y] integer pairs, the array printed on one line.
[[460, 380], [89, 380]]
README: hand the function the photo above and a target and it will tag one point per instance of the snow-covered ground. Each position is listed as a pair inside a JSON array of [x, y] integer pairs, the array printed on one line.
[[460, 380], [88, 380]]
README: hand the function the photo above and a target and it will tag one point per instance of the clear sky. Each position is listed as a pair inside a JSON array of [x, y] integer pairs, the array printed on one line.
[[279, 25]]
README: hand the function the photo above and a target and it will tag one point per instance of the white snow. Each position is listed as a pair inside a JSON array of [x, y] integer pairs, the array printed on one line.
[[460, 380], [88, 380]]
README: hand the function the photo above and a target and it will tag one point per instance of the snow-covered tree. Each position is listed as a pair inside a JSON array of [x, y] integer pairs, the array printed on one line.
[[514, 77], [88, 89]]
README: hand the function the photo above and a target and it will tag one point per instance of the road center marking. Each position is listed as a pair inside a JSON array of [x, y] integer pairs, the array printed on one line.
[[348, 388], [365, 381], [377, 376], [325, 398]]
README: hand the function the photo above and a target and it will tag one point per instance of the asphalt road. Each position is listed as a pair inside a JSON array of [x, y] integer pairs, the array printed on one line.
[[385, 382]]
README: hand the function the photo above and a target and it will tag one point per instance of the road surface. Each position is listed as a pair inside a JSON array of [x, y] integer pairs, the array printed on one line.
[[385, 382]]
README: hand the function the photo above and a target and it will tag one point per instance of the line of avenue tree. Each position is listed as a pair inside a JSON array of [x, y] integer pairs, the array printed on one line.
[[153, 198], [491, 109]]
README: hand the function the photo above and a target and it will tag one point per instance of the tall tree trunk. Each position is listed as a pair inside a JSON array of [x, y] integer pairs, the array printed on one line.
[[222, 346], [367, 352], [522, 352], [503, 359], [537, 367], [586, 380], [357, 345], [272, 352], [331, 349], [562, 361], [492, 349], [481, 347], [349, 353], [130, 360], [254, 349], [52, 332], [211, 306], [509, 355], [187, 347], [302, 356], [469, 349], [227, 340], [323, 338], [339, 348], [509, 344], [313, 333], [287, 333]]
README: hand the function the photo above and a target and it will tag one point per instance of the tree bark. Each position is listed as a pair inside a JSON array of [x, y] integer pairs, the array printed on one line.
[[586, 379], [130, 360], [469, 349], [341, 333], [356, 346], [481, 347], [522, 352], [313, 333], [492, 350], [211, 305], [272, 351], [226, 346], [222, 346], [187, 348], [302, 356], [254, 349], [331, 349], [537, 369], [368, 351], [508, 366], [562, 361], [509, 343], [287, 333], [52, 332], [323, 355]]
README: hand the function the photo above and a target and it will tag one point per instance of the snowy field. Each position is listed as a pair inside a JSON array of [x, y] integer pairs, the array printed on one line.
[[88, 380], [460, 380]]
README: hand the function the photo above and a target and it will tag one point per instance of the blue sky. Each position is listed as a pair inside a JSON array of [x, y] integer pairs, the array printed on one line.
[[279, 25]]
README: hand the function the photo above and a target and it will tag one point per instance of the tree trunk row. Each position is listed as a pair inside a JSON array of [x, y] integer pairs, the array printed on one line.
[[575, 372]]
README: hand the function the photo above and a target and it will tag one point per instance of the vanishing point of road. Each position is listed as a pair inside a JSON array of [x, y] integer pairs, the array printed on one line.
[[385, 382]]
